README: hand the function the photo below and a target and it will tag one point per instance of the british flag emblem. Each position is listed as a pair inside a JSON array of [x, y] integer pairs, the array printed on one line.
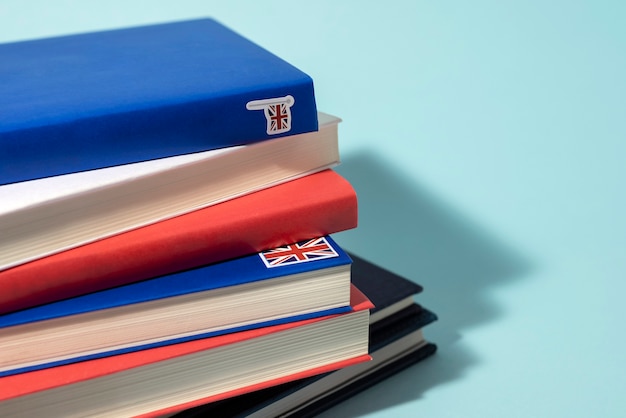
[[278, 117], [301, 252], [277, 113]]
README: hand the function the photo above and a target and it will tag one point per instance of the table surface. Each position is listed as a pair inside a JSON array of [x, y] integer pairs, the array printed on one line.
[[487, 143]]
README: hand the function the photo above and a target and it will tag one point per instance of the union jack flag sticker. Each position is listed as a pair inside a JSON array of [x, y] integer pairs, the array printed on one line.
[[301, 252], [278, 117], [277, 113]]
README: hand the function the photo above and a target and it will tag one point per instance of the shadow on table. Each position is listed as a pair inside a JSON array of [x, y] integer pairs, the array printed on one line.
[[405, 228]]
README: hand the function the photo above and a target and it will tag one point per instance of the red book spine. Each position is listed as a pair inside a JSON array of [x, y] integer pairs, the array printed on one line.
[[315, 205]]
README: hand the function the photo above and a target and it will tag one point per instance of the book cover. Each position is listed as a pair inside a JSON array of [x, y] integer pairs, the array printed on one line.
[[312, 206], [388, 291], [288, 283], [79, 102], [168, 379], [64, 212]]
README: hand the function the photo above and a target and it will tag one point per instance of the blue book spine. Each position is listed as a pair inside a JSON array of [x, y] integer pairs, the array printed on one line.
[[101, 99]]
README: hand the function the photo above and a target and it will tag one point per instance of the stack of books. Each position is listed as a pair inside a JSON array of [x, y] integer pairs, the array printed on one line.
[[167, 204], [396, 343]]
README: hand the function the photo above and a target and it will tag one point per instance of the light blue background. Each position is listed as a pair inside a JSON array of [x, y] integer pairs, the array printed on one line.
[[486, 141]]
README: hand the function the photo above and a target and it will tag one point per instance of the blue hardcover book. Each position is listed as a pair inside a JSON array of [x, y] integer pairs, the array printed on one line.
[[289, 283], [94, 100]]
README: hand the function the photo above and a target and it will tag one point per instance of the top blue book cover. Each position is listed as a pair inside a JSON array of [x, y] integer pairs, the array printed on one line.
[[94, 100]]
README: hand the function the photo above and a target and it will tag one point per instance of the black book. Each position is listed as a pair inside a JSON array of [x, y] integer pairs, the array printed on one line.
[[396, 342]]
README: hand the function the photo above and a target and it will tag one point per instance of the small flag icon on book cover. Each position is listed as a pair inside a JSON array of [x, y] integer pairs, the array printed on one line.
[[277, 113], [301, 252]]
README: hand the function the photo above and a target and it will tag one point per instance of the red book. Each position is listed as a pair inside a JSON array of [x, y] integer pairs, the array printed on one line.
[[172, 378], [315, 205]]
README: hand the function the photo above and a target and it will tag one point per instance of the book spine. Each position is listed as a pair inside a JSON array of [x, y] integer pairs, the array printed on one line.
[[157, 130], [280, 215]]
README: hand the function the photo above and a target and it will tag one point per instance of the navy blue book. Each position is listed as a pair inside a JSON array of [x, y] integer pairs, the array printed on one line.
[[101, 99], [294, 282], [396, 342]]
